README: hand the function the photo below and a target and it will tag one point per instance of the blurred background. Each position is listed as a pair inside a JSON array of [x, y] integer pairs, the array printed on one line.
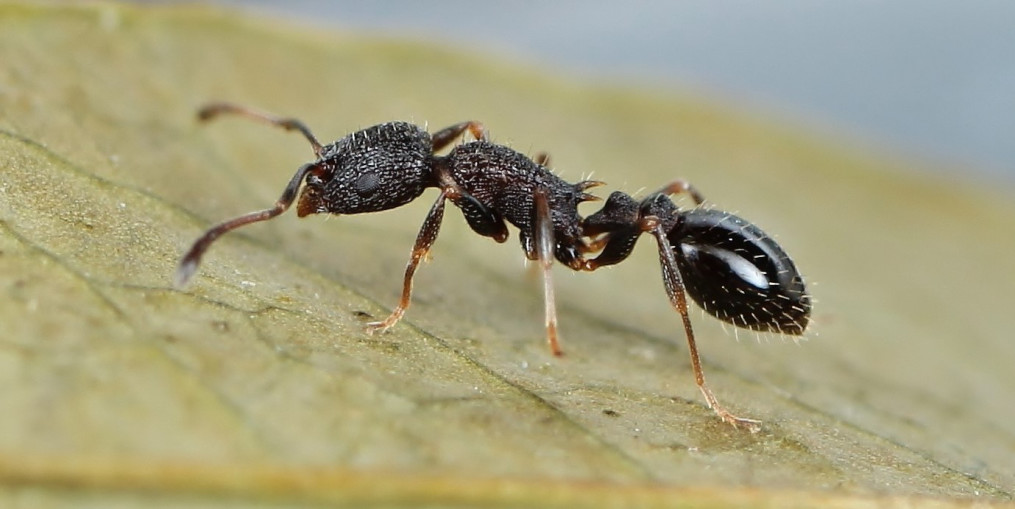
[[925, 79]]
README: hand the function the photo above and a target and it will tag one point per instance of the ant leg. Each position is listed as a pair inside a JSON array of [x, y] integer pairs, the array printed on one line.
[[445, 136], [682, 186], [482, 219], [212, 110], [424, 240], [190, 261], [678, 299], [544, 248]]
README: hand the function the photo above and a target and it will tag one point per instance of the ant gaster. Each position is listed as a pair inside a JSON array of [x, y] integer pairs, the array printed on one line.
[[727, 265]]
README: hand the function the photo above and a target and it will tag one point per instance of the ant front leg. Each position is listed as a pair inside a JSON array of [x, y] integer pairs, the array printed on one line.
[[544, 249], [213, 110], [424, 240], [446, 136], [678, 299]]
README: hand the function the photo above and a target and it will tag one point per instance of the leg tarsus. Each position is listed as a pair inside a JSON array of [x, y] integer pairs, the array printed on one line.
[[751, 425], [424, 240]]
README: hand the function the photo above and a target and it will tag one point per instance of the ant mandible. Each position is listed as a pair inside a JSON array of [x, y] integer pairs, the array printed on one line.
[[732, 269]]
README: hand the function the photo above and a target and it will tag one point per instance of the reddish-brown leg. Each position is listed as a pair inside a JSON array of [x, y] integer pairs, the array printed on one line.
[[544, 244], [678, 299], [424, 240], [213, 110], [190, 261], [446, 136], [682, 186]]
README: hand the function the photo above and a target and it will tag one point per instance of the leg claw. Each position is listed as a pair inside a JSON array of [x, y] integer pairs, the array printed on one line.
[[751, 425]]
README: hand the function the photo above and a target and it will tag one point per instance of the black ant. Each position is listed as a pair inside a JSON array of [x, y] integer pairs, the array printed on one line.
[[727, 265]]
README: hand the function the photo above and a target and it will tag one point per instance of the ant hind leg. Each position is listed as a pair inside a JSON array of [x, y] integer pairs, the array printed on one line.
[[678, 299]]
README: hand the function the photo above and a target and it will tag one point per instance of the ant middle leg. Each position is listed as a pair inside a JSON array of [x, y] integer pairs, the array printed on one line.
[[481, 218], [424, 241], [544, 252], [446, 136], [210, 111]]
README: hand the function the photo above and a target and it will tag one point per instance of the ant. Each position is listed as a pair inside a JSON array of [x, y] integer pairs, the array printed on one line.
[[728, 266]]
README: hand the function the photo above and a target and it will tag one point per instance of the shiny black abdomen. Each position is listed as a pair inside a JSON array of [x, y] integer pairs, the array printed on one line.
[[738, 274]]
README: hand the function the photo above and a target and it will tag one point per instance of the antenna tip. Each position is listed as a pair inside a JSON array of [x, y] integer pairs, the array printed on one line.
[[184, 272]]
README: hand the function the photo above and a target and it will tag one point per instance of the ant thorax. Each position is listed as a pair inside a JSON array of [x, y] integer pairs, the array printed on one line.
[[506, 181]]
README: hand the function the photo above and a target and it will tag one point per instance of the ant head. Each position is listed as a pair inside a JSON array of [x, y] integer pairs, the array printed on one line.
[[379, 168], [739, 274]]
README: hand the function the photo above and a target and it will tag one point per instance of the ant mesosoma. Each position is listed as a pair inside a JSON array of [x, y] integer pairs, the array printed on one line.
[[732, 269]]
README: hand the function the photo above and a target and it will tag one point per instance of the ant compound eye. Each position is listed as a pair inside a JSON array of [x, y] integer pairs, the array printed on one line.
[[367, 184], [739, 274]]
